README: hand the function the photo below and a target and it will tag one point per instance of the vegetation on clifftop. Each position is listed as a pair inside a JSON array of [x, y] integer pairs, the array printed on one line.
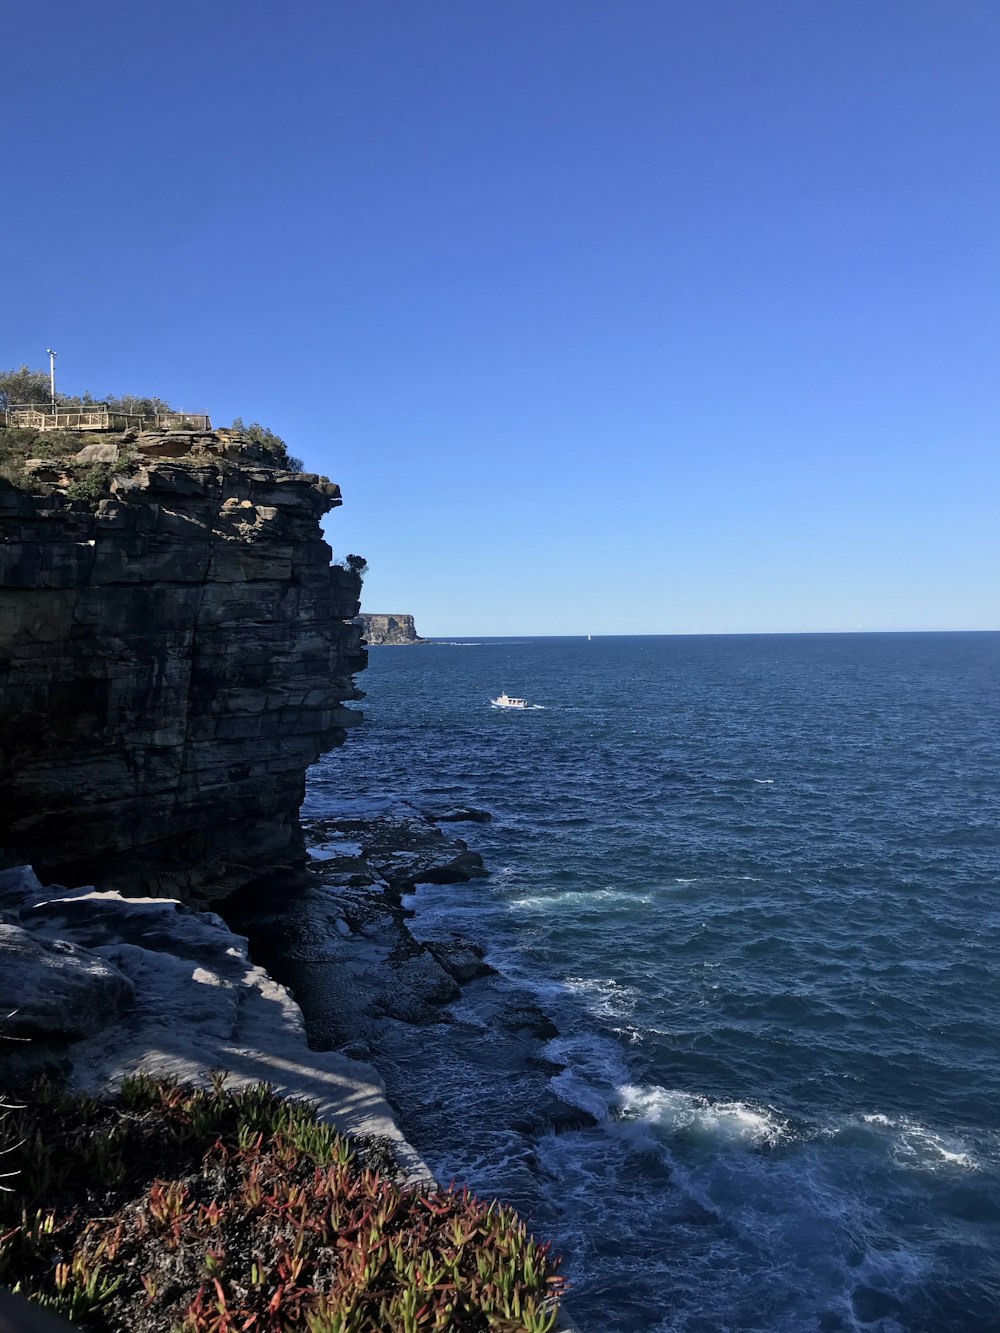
[[207, 1211], [27, 387]]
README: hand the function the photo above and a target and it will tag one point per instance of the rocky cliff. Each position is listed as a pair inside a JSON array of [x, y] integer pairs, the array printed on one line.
[[380, 629], [173, 656]]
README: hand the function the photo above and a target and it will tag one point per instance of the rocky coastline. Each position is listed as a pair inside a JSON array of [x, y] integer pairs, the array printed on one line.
[[175, 650], [98, 987], [344, 929], [304, 985]]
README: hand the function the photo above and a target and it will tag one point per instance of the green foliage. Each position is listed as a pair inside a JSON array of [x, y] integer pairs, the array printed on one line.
[[136, 406], [357, 564], [32, 387], [24, 386], [91, 483], [18, 445], [207, 1211], [272, 444]]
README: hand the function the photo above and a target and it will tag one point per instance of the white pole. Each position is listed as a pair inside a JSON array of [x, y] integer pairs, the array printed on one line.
[[52, 375]]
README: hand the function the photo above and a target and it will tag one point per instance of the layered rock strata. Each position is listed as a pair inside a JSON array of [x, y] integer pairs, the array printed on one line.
[[383, 630], [173, 657]]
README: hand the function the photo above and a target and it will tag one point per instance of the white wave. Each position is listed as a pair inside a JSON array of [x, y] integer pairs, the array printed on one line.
[[909, 1144], [917, 1146], [589, 1057], [580, 897], [329, 851], [605, 996], [576, 1091], [687, 1113], [765, 782]]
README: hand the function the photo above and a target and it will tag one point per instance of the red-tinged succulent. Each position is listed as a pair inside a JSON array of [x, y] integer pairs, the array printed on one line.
[[216, 1212]]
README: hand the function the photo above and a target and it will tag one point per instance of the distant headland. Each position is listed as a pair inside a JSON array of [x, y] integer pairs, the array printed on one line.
[[381, 630]]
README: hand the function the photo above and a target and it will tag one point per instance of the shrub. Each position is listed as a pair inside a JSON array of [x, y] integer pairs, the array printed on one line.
[[357, 564], [271, 444], [91, 483], [210, 1211]]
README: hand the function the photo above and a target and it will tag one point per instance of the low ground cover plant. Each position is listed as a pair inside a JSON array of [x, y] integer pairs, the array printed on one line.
[[209, 1211]]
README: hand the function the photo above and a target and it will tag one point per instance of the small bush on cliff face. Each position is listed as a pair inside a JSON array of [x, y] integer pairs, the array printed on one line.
[[92, 483], [270, 443], [357, 564], [210, 1212]]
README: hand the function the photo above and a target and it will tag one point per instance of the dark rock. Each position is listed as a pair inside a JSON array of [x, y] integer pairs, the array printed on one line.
[[460, 958], [552, 1115], [459, 870], [403, 847], [416, 986], [173, 662], [18, 885], [50, 988], [526, 1018], [460, 814]]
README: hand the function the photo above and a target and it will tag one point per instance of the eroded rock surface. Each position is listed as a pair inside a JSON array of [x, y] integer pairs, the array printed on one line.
[[189, 1002], [52, 988], [383, 630], [172, 658]]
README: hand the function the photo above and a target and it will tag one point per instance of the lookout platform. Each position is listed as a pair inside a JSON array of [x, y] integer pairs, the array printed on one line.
[[98, 416]]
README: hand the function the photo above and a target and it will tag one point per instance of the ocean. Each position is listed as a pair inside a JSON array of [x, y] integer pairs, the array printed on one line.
[[754, 881]]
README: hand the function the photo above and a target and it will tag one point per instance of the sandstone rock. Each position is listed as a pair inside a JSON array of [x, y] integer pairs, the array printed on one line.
[[388, 630], [98, 453], [172, 665], [199, 1005], [51, 988]]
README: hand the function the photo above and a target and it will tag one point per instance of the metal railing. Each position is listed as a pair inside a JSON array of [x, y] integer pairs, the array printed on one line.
[[98, 417]]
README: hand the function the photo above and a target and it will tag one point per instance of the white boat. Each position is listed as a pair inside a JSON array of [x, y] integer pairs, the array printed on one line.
[[506, 700]]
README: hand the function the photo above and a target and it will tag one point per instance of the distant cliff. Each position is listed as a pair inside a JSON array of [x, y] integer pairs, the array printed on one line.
[[175, 651], [382, 629]]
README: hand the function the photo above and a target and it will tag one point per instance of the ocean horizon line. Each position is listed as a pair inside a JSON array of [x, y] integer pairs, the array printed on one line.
[[702, 634]]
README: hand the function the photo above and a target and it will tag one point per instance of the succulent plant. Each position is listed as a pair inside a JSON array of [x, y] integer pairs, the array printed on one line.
[[208, 1211]]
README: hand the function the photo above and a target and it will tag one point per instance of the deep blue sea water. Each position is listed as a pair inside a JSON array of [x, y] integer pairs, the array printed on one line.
[[756, 881]]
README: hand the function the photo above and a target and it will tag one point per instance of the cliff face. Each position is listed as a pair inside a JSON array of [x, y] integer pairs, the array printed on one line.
[[382, 629], [170, 664]]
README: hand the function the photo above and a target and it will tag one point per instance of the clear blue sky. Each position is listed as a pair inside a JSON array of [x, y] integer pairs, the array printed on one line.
[[650, 316]]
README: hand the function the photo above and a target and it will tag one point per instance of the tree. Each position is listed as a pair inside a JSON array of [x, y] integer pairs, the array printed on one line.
[[24, 386], [135, 406], [357, 564]]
